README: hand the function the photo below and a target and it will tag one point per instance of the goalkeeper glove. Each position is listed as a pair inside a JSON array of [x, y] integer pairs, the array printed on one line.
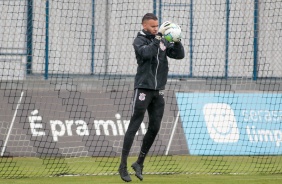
[[165, 26]]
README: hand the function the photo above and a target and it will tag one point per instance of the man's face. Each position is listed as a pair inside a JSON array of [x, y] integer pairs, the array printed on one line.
[[151, 26]]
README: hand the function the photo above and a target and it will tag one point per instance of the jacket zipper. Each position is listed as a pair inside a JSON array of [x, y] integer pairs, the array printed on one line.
[[156, 82]]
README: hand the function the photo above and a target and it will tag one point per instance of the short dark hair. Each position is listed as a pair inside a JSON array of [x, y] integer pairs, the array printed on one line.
[[149, 16]]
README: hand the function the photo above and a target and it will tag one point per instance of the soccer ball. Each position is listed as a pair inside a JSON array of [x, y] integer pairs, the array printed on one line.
[[173, 34]]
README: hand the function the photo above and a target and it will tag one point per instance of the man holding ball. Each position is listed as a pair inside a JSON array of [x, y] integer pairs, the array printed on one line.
[[151, 51]]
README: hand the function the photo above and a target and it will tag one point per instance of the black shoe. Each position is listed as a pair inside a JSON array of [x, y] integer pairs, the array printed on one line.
[[138, 170], [124, 174]]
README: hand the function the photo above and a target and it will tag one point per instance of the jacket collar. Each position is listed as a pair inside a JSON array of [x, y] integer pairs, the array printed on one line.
[[146, 34]]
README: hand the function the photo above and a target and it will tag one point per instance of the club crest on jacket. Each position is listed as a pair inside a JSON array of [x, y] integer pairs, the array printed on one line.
[[162, 46]]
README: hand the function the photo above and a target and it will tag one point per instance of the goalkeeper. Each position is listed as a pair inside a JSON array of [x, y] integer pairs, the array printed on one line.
[[151, 52]]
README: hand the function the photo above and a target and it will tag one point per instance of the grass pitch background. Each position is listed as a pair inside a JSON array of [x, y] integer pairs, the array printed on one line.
[[154, 179], [164, 169]]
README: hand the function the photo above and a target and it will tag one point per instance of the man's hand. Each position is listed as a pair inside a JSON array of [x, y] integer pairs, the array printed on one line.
[[165, 26]]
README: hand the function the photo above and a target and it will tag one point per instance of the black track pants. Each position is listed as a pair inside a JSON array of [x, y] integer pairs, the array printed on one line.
[[153, 102]]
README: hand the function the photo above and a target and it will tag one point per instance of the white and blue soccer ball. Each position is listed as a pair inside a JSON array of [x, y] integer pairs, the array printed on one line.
[[173, 34]]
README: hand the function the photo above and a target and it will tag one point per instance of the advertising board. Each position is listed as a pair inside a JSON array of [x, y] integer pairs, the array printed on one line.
[[232, 123]]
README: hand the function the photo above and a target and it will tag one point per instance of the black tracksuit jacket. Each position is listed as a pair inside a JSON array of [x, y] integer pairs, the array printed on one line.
[[151, 55]]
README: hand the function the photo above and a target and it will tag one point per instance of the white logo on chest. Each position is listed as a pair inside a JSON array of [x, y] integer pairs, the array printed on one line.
[[162, 46]]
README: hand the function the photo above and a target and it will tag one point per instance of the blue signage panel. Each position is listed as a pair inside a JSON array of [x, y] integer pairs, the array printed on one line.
[[232, 124]]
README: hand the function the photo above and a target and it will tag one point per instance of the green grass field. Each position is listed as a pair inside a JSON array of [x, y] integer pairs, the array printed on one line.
[[153, 179], [160, 169]]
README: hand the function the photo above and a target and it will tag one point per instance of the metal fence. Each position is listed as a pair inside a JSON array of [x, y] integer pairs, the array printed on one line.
[[222, 38]]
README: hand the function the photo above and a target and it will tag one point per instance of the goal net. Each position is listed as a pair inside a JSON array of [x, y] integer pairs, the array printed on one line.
[[66, 86]]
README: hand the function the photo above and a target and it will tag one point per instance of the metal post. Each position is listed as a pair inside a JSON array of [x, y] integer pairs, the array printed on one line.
[[191, 38], [107, 34], [155, 7], [256, 27], [47, 41], [227, 38], [29, 32], [93, 37], [160, 11]]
